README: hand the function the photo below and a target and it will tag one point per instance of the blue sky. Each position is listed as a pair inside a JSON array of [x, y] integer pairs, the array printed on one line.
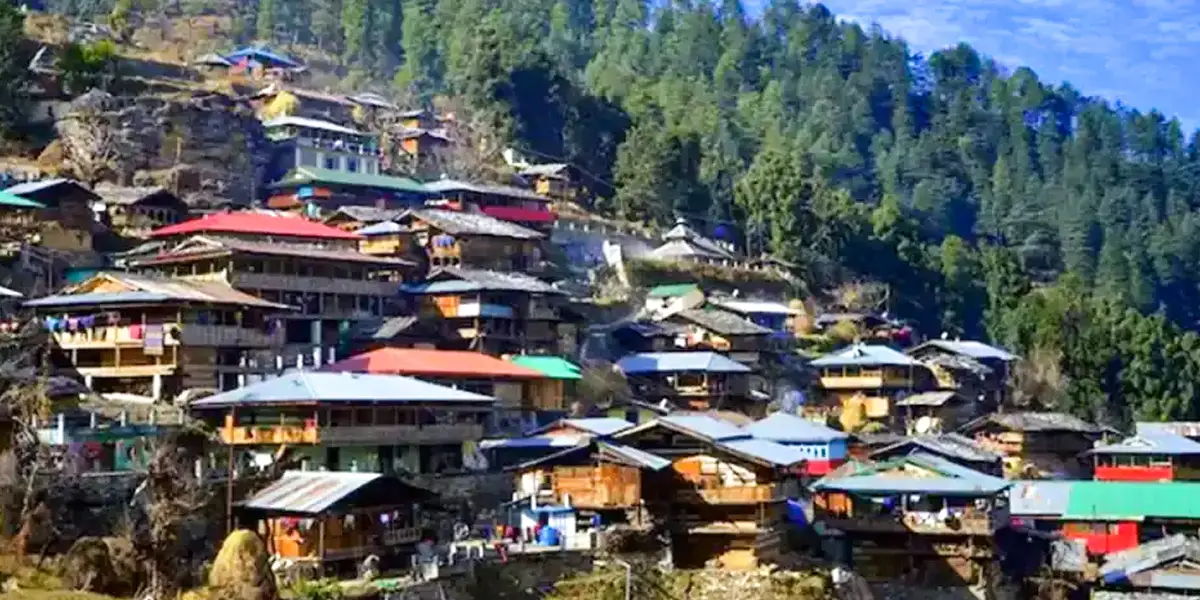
[[1141, 52]]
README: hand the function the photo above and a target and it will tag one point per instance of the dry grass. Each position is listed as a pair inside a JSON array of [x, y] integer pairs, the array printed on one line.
[[53, 595], [26, 576]]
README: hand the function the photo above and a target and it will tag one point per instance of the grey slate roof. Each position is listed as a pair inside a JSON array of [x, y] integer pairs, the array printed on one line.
[[1039, 498], [864, 355], [331, 387], [972, 349], [952, 479], [370, 214], [451, 280], [127, 195], [1152, 442], [382, 330], [1034, 421], [957, 362], [619, 452], [457, 222], [721, 322], [945, 444], [453, 185], [788, 428], [673, 362]]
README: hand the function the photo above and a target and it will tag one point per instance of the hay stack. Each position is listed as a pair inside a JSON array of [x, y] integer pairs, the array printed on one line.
[[102, 565], [242, 570]]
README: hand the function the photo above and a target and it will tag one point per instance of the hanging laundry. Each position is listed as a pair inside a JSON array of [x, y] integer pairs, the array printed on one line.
[[135, 331]]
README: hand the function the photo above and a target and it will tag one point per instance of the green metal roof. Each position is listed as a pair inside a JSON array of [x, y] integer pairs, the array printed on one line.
[[14, 201], [1133, 501], [550, 366], [311, 175], [672, 290]]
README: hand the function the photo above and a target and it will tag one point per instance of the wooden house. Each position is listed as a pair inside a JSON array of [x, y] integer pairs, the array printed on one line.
[[935, 412], [918, 519], [355, 422], [723, 331], [422, 145], [824, 449], [1148, 456], [953, 447], [20, 219], [255, 226], [316, 191], [779, 318], [335, 519], [352, 218], [558, 181], [310, 104], [504, 202], [1037, 445], [157, 337], [866, 381], [646, 336], [68, 222], [494, 312], [451, 238], [548, 439], [332, 288], [689, 380], [723, 499], [977, 371], [136, 211], [671, 298], [560, 388], [418, 118], [684, 244], [1167, 568]]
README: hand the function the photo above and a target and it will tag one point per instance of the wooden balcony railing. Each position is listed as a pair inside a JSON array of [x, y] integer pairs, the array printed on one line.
[[107, 337], [349, 435], [748, 494], [215, 336], [326, 285], [927, 523]]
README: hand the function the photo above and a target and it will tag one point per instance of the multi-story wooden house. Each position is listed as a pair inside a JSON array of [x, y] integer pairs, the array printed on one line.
[[558, 181], [136, 211], [318, 191], [304, 142], [352, 218], [67, 223], [256, 226], [953, 447], [494, 312], [977, 371], [723, 498], [824, 449], [333, 288], [1037, 445], [504, 202], [690, 380], [310, 104], [355, 422], [1148, 456], [867, 381], [157, 337], [451, 238], [918, 519], [935, 412], [711, 328]]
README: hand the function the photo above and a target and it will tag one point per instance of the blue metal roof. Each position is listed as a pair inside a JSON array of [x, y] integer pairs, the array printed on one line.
[[766, 451], [1151, 442], [1039, 498], [704, 426], [259, 54], [30, 187], [671, 362], [381, 228], [950, 479], [314, 386], [598, 425], [863, 355], [973, 349], [784, 427]]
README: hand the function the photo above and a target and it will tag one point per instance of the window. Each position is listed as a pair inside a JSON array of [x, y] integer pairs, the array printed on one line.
[[309, 157], [352, 165], [331, 162]]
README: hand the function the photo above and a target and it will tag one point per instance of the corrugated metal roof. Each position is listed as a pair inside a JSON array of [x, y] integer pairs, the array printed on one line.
[[205, 246], [766, 451], [381, 228], [1158, 442], [368, 214], [945, 444], [550, 366], [747, 307], [721, 322], [926, 399], [264, 224], [294, 121], [12, 200], [672, 290], [1147, 556], [453, 185], [322, 387], [33, 187], [670, 362], [864, 355], [615, 451], [1034, 421], [534, 441], [700, 426], [308, 492], [597, 425], [548, 170], [1133, 501], [154, 290], [421, 362], [887, 478], [1039, 498], [311, 175], [784, 427], [457, 222], [972, 349], [450, 280], [1190, 429]]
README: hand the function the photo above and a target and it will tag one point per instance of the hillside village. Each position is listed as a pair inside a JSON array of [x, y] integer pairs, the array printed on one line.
[[392, 359]]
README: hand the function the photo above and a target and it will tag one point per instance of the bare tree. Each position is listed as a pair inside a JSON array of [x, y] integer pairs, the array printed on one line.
[[1038, 381], [861, 297], [95, 142]]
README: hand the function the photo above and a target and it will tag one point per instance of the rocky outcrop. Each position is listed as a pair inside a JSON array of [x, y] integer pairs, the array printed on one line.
[[206, 147]]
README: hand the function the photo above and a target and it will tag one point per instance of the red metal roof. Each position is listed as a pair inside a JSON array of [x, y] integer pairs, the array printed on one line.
[[521, 215], [256, 223], [433, 363]]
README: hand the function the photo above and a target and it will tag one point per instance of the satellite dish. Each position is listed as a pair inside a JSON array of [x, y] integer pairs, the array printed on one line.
[[924, 424]]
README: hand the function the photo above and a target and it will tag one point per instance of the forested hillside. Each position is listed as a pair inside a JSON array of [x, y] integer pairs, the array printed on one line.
[[992, 203]]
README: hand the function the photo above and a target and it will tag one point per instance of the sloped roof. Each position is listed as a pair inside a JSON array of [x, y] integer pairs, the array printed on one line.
[[317, 175], [382, 228], [372, 99], [127, 195], [672, 290], [1152, 442], [144, 289], [12, 200], [453, 185], [456, 222], [260, 54], [1039, 498], [451, 280], [927, 399], [264, 224], [699, 425], [1190, 429], [865, 355], [602, 426], [721, 322], [547, 170], [1150, 555], [314, 492], [609, 450], [1133, 501], [789, 428], [747, 307], [432, 363], [766, 451], [951, 445], [384, 329], [550, 366], [367, 214], [887, 477], [669, 362], [319, 387], [204, 246], [294, 121], [675, 249], [1033, 421], [972, 349]]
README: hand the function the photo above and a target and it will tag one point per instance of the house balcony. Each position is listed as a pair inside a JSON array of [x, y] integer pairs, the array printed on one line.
[[749, 494], [107, 337], [924, 523], [864, 381], [216, 336], [320, 285], [367, 435]]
